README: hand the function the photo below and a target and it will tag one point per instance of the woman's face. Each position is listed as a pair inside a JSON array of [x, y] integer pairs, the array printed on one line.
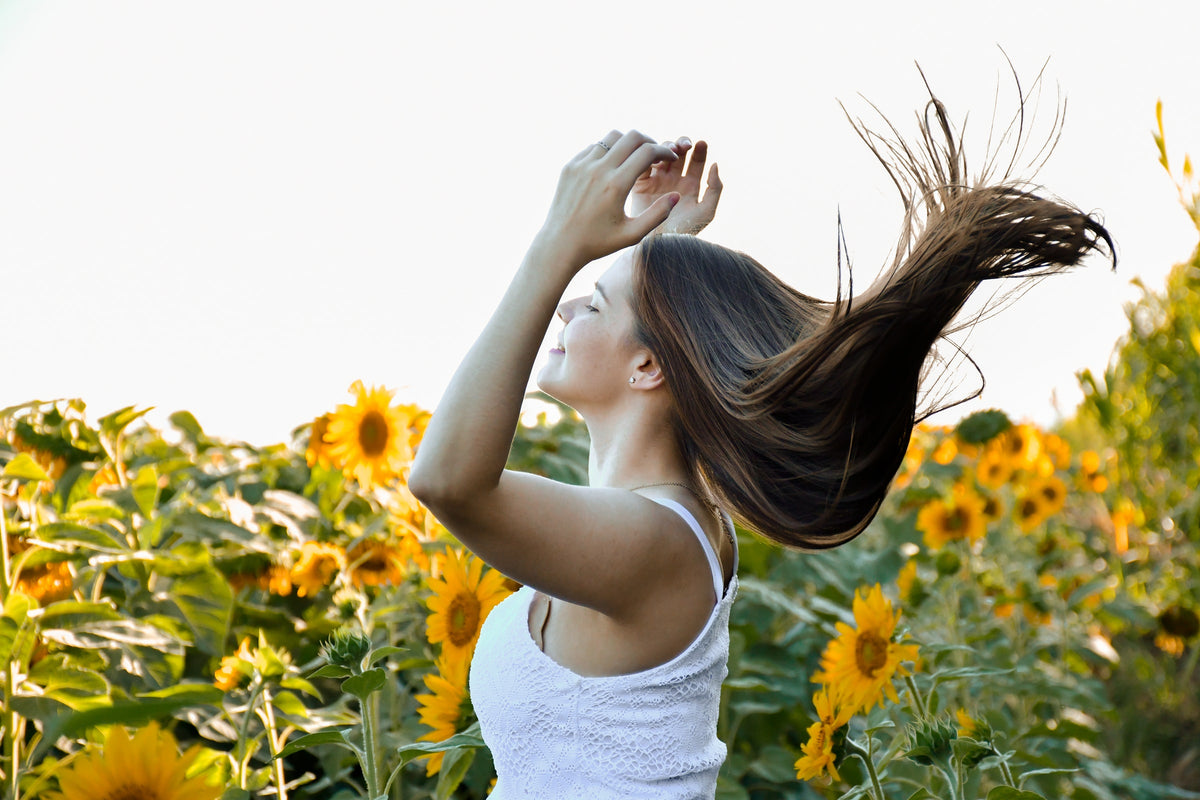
[[596, 353]]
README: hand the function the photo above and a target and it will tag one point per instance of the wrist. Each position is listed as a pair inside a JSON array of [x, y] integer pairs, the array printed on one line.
[[556, 255]]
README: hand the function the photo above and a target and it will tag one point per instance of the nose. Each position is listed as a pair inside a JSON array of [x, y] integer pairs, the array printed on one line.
[[568, 308]]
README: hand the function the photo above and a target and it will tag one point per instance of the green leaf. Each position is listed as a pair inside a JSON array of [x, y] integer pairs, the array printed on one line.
[[454, 767], [331, 671], [205, 601], [288, 703], [775, 764], [365, 684], [188, 426], [199, 694], [1034, 772], [24, 468], [299, 684], [383, 652], [112, 634], [338, 737], [1009, 793], [982, 426], [145, 489], [922, 794], [468, 738], [95, 538]]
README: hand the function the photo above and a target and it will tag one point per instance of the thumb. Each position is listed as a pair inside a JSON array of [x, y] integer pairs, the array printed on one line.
[[652, 217]]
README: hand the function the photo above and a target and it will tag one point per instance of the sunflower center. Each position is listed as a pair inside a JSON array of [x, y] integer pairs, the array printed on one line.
[[1028, 508], [956, 521], [373, 433], [132, 791], [870, 652], [463, 619]]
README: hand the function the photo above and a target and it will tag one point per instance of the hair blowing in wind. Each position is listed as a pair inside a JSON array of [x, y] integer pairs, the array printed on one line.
[[796, 413]]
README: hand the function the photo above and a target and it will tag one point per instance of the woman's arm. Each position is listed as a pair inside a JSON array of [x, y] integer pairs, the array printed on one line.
[[607, 549], [466, 445]]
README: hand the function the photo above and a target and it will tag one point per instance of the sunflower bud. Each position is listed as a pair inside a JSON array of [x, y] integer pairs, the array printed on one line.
[[948, 562], [932, 742], [347, 648]]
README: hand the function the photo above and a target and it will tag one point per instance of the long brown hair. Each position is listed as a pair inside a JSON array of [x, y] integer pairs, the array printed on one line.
[[796, 413]]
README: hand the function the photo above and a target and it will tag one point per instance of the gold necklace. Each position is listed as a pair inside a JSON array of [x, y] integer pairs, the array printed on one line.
[[711, 506]]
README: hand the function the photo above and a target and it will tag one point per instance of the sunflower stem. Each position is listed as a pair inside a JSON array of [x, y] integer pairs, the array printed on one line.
[[855, 749], [268, 710], [370, 763], [918, 702], [243, 743], [1006, 773]]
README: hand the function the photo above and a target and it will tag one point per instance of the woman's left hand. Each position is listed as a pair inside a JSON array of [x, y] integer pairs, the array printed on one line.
[[692, 214], [587, 217]]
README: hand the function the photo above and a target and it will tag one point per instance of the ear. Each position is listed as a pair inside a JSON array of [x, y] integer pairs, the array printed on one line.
[[647, 375]]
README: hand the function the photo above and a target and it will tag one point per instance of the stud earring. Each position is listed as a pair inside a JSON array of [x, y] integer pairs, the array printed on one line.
[[632, 380]]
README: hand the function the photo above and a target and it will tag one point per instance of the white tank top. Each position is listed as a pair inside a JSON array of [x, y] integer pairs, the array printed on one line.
[[646, 735]]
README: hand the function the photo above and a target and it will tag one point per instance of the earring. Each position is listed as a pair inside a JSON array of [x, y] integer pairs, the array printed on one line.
[[632, 380]]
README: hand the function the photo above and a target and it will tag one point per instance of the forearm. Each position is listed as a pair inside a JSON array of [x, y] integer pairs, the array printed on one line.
[[466, 445]]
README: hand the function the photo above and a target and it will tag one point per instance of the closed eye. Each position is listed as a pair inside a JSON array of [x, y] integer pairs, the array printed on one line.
[[592, 308]]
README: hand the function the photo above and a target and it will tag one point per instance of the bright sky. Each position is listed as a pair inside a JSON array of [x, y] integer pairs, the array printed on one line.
[[238, 208]]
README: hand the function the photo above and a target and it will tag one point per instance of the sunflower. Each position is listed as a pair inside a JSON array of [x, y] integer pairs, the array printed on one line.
[[860, 662], [369, 441], [147, 766], [946, 450], [1029, 511], [229, 675], [462, 598], [818, 755], [1091, 467], [966, 723], [1021, 444], [960, 517], [47, 583], [994, 469], [912, 462], [374, 562], [444, 708], [907, 581], [315, 568], [1051, 493], [317, 451]]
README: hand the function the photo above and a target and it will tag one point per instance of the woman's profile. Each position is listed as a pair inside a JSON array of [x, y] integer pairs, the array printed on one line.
[[712, 391]]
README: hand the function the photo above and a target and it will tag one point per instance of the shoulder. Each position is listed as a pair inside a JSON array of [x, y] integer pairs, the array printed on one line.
[[611, 550]]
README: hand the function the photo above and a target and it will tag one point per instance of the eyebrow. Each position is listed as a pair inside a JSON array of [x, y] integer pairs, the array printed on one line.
[[601, 291]]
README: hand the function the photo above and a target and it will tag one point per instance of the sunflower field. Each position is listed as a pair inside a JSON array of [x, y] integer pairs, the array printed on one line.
[[186, 618]]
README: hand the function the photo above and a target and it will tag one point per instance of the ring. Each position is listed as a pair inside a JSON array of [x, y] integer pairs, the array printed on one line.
[[606, 147]]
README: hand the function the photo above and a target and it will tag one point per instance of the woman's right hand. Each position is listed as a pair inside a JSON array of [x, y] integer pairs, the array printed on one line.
[[692, 214], [587, 217]]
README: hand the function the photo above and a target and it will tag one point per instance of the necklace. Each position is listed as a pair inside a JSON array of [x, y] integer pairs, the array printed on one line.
[[711, 506]]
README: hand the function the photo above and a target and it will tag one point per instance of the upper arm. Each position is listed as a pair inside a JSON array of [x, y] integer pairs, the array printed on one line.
[[607, 549]]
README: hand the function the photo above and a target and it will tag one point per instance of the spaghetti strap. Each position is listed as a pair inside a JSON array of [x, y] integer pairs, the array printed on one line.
[[713, 562]]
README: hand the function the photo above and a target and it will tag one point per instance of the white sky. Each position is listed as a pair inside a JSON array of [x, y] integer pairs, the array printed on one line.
[[238, 208]]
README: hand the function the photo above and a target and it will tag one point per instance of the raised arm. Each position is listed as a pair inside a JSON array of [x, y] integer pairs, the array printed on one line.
[[538, 531]]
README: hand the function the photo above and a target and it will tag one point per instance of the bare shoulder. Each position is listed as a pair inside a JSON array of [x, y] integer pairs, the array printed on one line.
[[611, 550]]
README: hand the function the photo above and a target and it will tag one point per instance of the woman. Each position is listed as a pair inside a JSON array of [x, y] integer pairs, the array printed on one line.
[[708, 386]]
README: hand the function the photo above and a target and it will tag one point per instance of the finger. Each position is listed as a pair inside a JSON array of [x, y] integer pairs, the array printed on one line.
[[680, 147], [640, 159], [695, 166], [712, 191], [640, 226], [630, 142], [600, 147]]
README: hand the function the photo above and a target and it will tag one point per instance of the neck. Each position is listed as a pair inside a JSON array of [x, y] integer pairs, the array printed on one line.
[[632, 449]]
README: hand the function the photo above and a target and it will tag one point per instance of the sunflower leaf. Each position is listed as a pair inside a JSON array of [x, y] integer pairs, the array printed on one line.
[[330, 671], [366, 684], [1009, 793], [454, 769], [381, 653], [338, 737], [24, 468]]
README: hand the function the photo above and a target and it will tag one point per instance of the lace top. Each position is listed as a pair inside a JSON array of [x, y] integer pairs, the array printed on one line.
[[646, 735]]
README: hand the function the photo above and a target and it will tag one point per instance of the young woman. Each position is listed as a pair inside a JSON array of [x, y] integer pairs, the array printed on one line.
[[709, 388]]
